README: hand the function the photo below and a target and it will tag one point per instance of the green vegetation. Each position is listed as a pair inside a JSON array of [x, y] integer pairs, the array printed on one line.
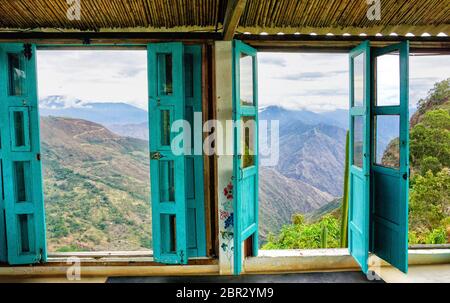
[[429, 198], [344, 213], [301, 234], [429, 208], [429, 201], [96, 187]]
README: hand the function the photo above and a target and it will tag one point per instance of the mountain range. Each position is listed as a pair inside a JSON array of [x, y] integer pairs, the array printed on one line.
[[96, 187], [92, 139]]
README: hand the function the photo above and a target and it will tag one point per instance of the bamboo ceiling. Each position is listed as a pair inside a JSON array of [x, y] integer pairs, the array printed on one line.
[[259, 16]]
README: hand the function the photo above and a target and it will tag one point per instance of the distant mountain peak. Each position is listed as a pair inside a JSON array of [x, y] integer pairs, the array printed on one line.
[[104, 113], [59, 102]]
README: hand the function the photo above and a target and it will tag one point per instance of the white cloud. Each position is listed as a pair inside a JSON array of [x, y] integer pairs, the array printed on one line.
[[93, 75], [317, 82]]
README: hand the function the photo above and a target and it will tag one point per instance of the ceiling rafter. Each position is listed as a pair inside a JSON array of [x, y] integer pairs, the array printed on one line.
[[233, 14]]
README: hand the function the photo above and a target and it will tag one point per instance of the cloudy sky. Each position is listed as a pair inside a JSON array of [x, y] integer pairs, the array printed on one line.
[[316, 82], [100, 76]]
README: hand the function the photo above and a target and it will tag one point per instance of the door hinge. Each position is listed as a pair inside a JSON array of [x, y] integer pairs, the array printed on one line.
[[155, 156], [27, 51], [38, 157], [40, 256], [181, 256], [407, 174]]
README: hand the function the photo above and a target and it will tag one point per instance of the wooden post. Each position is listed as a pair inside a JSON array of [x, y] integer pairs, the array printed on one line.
[[233, 14]]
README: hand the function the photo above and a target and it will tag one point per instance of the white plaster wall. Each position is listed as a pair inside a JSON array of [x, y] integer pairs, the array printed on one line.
[[224, 91]]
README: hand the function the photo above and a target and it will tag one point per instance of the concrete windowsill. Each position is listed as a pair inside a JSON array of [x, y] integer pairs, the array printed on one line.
[[299, 260]]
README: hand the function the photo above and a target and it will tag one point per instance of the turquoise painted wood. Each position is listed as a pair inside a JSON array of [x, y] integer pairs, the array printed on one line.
[[23, 200], [167, 168], [194, 159], [389, 207], [3, 253], [245, 161], [359, 177]]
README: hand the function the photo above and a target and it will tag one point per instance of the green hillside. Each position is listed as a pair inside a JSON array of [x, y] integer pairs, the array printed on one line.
[[96, 187], [429, 203]]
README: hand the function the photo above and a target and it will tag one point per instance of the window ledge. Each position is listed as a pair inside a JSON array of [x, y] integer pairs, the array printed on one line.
[[299, 260]]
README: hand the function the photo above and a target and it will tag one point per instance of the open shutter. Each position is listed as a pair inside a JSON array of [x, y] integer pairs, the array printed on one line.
[[196, 238], [167, 168], [20, 152], [359, 182], [245, 170], [390, 163], [3, 253]]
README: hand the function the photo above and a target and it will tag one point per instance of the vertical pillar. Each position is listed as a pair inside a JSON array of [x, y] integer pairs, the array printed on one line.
[[224, 144]]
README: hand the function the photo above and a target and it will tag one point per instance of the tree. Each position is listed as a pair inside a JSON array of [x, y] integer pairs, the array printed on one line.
[[429, 206], [431, 138]]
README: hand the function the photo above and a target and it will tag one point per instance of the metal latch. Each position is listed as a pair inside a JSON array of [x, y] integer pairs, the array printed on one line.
[[155, 156]]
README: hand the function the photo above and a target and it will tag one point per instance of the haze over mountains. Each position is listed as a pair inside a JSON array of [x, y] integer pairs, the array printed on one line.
[[308, 177]]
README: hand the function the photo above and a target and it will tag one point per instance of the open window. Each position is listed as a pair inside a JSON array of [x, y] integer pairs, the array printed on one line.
[[23, 223], [178, 210], [245, 116]]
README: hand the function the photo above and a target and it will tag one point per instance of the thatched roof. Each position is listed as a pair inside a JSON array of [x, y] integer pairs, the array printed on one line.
[[253, 16]]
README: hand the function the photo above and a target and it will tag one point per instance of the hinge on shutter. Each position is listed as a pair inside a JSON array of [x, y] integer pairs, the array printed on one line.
[[40, 256], [181, 256], [86, 41], [156, 155], [27, 51]]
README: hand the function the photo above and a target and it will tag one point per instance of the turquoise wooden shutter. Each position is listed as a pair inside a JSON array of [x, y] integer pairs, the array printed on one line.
[[167, 169], [390, 120], [245, 162], [20, 154], [359, 183], [3, 253], [196, 236]]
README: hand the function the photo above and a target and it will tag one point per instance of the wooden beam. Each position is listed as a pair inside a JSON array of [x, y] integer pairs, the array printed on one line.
[[233, 14], [308, 43]]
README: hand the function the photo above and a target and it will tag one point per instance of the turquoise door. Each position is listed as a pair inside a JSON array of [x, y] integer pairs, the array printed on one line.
[[176, 170], [359, 182], [167, 169], [245, 171], [22, 197], [390, 161]]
